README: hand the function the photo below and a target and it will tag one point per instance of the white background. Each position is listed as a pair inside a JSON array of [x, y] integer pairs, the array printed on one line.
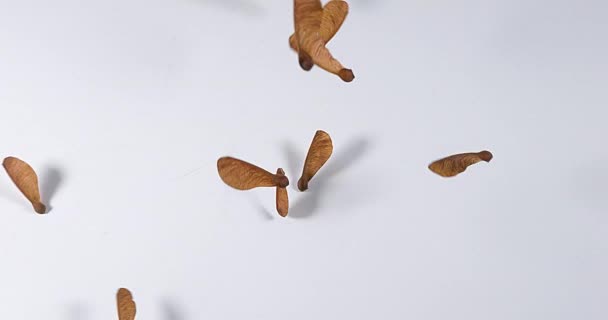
[[123, 108]]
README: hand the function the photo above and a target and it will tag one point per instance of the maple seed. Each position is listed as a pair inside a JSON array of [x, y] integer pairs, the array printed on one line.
[[315, 25], [125, 305], [26, 180], [458, 163], [282, 198], [319, 152], [242, 175]]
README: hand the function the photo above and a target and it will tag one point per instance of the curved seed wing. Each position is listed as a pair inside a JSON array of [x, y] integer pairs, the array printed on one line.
[[242, 175], [26, 180], [282, 197], [334, 14], [319, 152], [125, 305], [458, 163]]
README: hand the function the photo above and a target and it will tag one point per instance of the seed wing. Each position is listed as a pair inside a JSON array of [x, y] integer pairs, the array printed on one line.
[[242, 175], [26, 180], [319, 152], [282, 197], [334, 14], [458, 163], [125, 305]]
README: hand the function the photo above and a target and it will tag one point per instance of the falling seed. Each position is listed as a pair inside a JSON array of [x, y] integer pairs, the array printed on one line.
[[242, 175], [125, 305], [314, 27], [282, 198], [453, 165], [26, 181], [319, 152]]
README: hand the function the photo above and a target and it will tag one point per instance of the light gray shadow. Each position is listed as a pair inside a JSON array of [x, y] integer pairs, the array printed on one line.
[[261, 209], [246, 7], [365, 3], [295, 161], [171, 311], [51, 179], [588, 183], [77, 311], [308, 204]]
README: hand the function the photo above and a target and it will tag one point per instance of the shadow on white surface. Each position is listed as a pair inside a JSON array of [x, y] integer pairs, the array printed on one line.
[[247, 7], [77, 311], [262, 210], [171, 311], [340, 161], [588, 182], [51, 179], [365, 3], [295, 162]]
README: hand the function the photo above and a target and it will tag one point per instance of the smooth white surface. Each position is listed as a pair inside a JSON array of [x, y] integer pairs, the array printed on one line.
[[126, 106]]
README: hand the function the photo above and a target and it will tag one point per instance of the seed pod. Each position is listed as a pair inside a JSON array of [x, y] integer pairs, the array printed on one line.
[[125, 305], [453, 165], [319, 152], [26, 180], [314, 27], [282, 198], [242, 175]]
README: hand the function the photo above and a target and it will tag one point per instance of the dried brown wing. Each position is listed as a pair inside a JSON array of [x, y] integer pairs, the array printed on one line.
[[282, 197], [243, 175], [319, 152], [334, 14], [125, 305], [26, 180], [458, 163], [304, 9]]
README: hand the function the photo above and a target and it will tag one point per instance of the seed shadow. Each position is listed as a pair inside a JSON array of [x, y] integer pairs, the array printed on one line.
[[295, 161], [51, 179], [247, 7], [588, 185], [77, 311], [261, 209], [320, 184], [171, 311]]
